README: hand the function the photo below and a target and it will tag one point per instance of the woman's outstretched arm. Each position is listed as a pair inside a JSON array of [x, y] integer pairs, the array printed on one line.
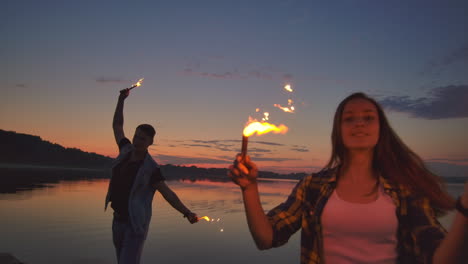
[[244, 173]]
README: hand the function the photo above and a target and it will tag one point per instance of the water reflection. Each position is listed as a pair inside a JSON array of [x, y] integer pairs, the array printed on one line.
[[18, 179], [64, 222]]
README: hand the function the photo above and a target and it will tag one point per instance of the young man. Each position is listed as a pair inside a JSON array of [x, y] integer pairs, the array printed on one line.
[[135, 178]]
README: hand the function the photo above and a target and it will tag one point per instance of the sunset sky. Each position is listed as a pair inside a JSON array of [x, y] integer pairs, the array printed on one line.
[[209, 64]]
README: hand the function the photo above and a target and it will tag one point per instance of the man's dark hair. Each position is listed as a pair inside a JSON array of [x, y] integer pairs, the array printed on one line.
[[148, 129]]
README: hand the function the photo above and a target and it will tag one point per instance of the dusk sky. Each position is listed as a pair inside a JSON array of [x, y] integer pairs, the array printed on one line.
[[207, 66]]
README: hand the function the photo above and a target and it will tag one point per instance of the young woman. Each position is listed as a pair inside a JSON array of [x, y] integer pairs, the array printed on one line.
[[374, 202]]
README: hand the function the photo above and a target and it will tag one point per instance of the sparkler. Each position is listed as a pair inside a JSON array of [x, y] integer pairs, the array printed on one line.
[[137, 84], [204, 217], [253, 126], [208, 219]]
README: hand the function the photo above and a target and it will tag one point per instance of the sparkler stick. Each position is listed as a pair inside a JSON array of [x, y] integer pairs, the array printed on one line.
[[245, 141]]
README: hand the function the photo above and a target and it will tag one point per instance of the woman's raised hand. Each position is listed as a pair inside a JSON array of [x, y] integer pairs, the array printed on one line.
[[243, 172]]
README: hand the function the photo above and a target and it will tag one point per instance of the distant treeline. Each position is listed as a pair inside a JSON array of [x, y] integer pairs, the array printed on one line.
[[193, 173], [27, 149], [32, 150]]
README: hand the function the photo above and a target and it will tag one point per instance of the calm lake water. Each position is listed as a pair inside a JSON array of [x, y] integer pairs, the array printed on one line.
[[66, 223]]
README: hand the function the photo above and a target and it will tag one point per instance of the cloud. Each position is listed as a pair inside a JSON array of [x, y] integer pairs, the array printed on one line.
[[214, 144], [169, 159], [206, 141], [111, 80], [256, 150], [215, 68], [460, 161], [215, 75], [225, 149], [447, 169], [261, 75], [275, 159], [442, 102], [21, 85], [435, 67], [197, 145], [225, 143], [256, 74], [300, 149], [287, 77], [286, 169], [180, 160], [268, 143]]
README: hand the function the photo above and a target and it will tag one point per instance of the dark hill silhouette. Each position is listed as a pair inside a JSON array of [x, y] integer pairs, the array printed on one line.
[[32, 150], [24, 149], [52, 163]]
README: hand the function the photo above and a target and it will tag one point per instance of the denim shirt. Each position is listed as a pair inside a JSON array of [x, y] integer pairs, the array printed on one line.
[[141, 194]]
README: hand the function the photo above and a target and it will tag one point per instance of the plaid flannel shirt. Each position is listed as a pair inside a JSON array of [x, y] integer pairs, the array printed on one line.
[[419, 232]]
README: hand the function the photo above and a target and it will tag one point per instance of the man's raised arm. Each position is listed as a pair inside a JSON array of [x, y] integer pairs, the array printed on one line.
[[117, 123]]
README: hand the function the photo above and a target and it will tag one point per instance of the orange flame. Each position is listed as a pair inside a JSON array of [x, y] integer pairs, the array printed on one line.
[[204, 217], [137, 84], [253, 126], [288, 88]]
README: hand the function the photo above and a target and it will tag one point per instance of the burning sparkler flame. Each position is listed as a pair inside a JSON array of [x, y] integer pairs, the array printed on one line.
[[253, 126], [262, 128], [288, 88], [204, 217], [137, 84]]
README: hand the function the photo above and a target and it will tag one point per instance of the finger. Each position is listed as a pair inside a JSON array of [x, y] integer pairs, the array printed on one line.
[[233, 178], [234, 173], [242, 168], [236, 179], [249, 164], [238, 157]]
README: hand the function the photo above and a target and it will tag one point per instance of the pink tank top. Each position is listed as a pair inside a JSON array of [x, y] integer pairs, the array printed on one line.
[[359, 233]]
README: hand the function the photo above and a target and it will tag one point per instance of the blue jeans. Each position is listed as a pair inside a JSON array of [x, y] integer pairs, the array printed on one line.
[[128, 244]]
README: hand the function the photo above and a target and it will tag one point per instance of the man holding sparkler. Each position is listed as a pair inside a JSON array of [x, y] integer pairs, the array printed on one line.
[[135, 178]]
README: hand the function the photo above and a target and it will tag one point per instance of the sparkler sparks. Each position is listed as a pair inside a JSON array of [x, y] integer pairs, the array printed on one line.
[[263, 127], [208, 219], [137, 84], [290, 108], [288, 88]]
